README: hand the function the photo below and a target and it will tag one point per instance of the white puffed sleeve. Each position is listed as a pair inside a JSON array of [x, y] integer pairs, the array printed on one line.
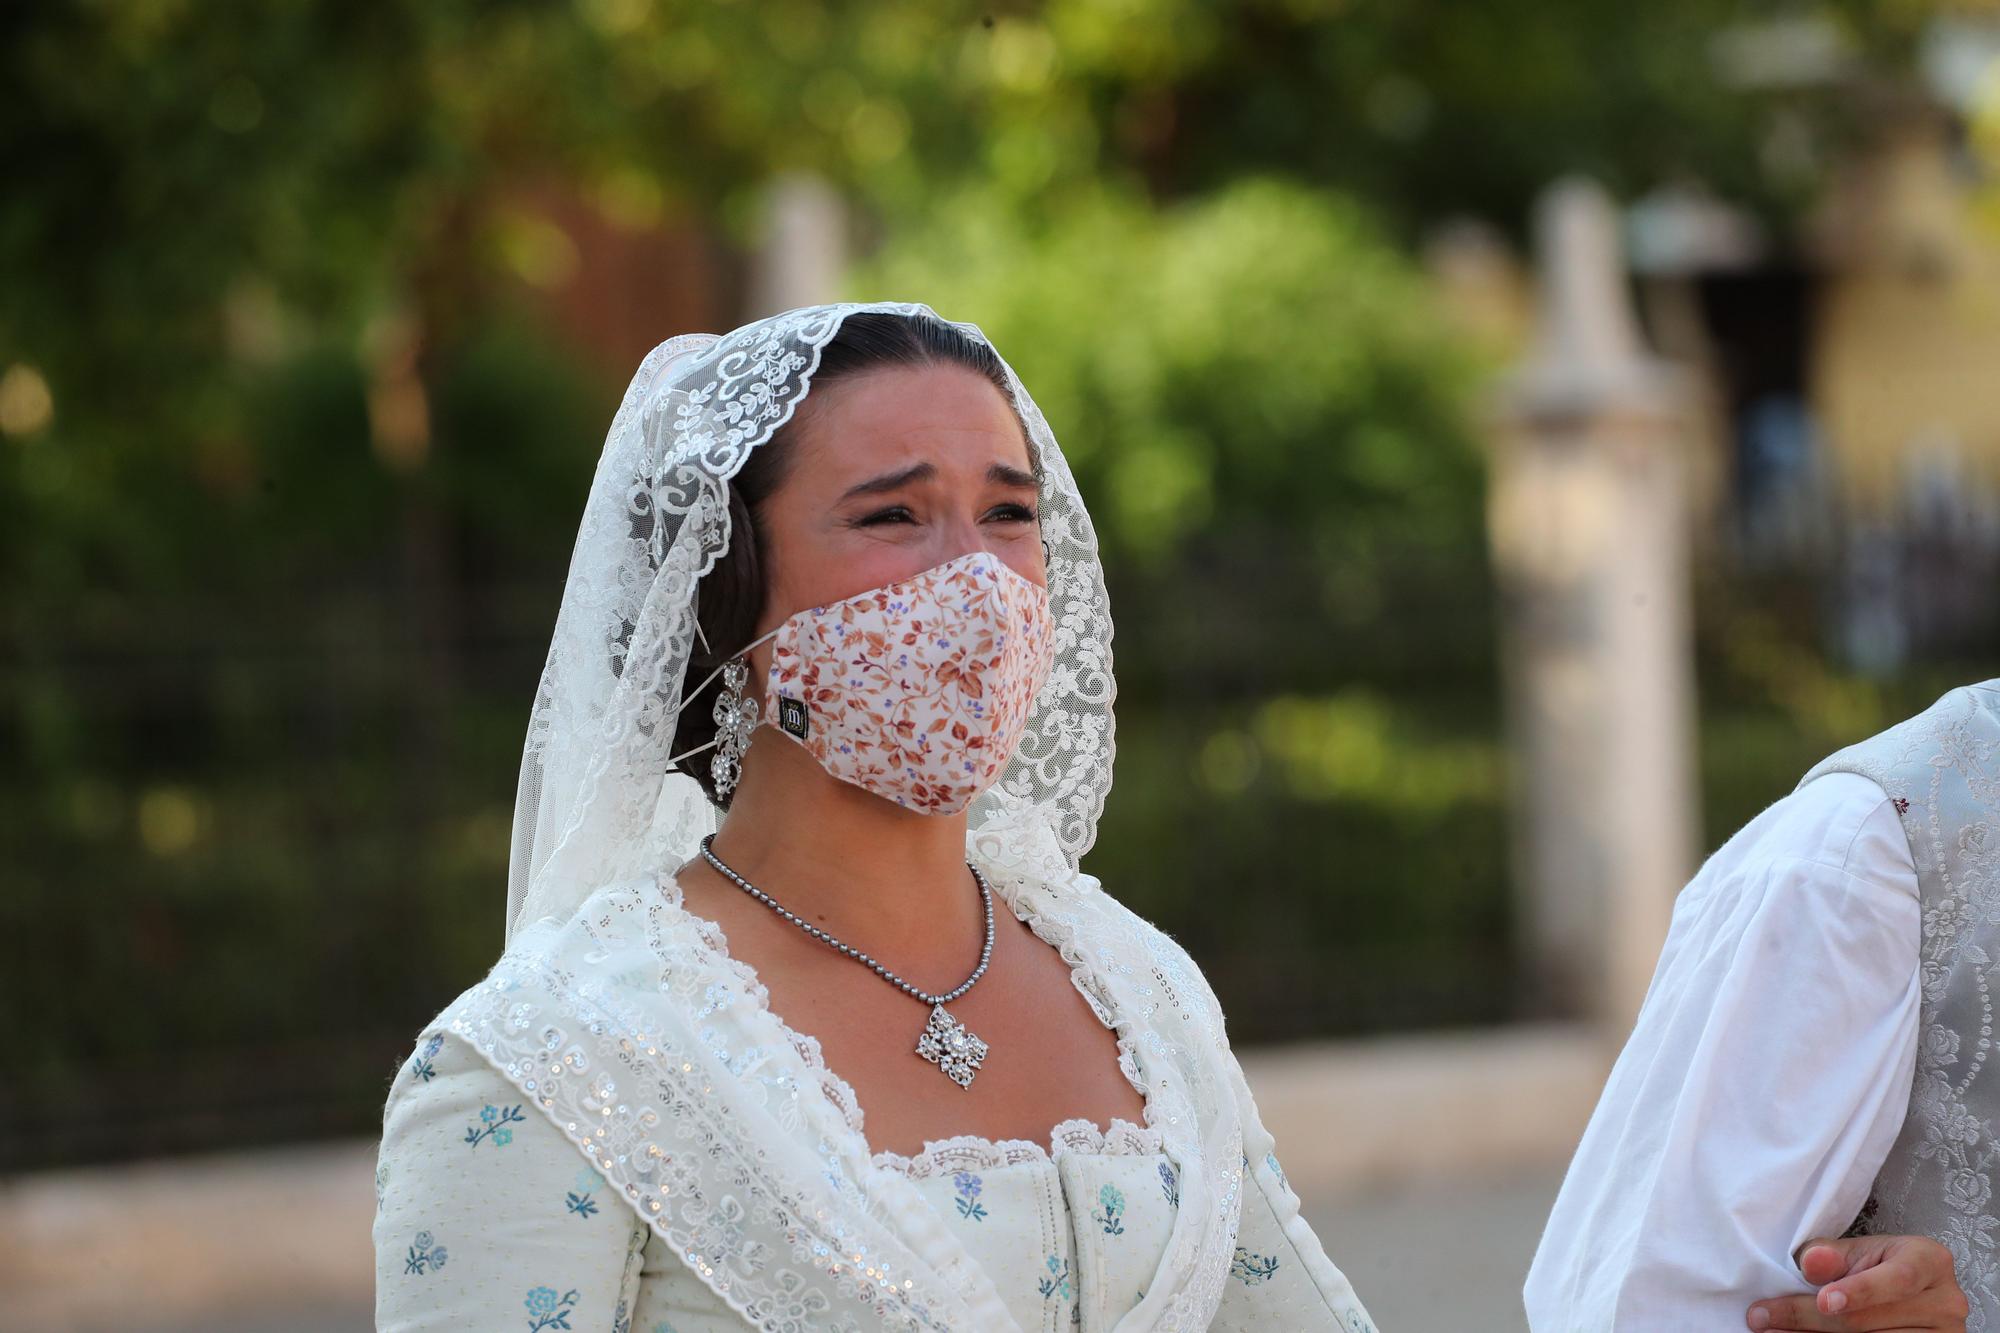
[[1764, 1082], [487, 1216], [1281, 1277]]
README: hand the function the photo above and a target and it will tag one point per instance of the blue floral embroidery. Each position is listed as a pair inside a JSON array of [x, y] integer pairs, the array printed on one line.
[[1111, 1204], [620, 1321], [425, 1255], [1170, 1183], [587, 1183], [1057, 1283], [420, 1063], [1271, 1160], [1253, 1268], [496, 1122], [1357, 1322], [968, 1187], [548, 1310]]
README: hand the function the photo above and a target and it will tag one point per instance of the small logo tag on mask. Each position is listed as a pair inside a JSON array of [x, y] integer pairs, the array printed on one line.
[[792, 716]]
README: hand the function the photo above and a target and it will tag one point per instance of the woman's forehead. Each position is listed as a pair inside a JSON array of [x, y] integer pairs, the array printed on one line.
[[890, 419]]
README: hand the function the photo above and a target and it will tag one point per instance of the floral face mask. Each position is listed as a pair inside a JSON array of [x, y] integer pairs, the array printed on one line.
[[917, 691]]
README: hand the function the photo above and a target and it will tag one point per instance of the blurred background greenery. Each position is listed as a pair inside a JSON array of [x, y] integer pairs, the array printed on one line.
[[314, 316]]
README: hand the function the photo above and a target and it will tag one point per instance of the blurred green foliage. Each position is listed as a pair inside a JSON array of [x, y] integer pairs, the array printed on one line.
[[191, 186], [256, 806], [1261, 361], [266, 654]]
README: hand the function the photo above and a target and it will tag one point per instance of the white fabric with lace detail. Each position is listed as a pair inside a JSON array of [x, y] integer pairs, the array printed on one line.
[[1070, 1234], [629, 1039]]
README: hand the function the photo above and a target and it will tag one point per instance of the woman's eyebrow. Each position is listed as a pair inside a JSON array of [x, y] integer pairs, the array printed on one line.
[[1007, 475], [1003, 474], [891, 481]]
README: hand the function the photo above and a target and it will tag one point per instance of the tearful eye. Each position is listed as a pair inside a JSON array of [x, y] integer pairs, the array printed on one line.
[[1014, 513], [897, 514]]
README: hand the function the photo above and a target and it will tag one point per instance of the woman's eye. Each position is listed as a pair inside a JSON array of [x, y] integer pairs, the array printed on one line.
[[1014, 513], [898, 514]]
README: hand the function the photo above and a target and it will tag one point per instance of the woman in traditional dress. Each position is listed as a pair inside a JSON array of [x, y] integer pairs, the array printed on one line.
[[807, 1017]]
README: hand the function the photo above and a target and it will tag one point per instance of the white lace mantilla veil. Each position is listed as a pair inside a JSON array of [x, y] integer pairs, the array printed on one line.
[[627, 1023], [595, 801]]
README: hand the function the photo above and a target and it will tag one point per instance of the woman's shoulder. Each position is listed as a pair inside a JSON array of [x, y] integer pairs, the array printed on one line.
[[446, 1093], [603, 945], [1136, 945], [473, 1064], [614, 911], [1154, 936], [1120, 916], [606, 931]]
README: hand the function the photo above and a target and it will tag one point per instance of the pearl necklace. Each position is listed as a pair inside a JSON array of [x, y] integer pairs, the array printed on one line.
[[945, 1042]]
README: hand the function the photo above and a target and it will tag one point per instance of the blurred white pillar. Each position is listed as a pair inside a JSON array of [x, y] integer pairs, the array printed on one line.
[[804, 249], [1589, 522]]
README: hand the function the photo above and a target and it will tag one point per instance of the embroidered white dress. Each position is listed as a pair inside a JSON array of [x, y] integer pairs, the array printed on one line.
[[490, 1217]]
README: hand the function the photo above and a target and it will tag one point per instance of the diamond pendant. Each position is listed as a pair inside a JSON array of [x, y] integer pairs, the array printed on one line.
[[950, 1045]]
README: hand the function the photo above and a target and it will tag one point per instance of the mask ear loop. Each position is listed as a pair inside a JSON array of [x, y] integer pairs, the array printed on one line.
[[708, 744], [688, 695]]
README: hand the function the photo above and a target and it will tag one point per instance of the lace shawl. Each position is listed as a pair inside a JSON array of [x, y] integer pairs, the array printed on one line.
[[657, 1054]]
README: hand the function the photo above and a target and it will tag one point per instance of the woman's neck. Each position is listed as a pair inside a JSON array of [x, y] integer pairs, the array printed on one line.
[[884, 879]]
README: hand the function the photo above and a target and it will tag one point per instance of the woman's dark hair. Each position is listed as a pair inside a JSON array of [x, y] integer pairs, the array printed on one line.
[[729, 601]]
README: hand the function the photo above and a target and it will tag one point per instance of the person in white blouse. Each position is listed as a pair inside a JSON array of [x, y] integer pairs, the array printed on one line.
[[1808, 1064]]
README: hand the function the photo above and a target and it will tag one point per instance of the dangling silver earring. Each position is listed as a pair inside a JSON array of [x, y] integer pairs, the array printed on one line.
[[735, 718]]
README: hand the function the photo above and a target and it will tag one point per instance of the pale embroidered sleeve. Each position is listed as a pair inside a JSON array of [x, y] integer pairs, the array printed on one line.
[[1764, 1082], [1280, 1277], [487, 1216]]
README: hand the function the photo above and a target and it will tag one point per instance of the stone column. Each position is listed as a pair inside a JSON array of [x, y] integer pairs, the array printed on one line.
[[1589, 522], [804, 251]]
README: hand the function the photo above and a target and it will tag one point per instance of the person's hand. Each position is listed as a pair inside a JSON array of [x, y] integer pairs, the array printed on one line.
[[1866, 1284]]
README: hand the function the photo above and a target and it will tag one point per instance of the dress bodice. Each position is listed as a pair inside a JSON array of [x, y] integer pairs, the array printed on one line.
[[1070, 1234]]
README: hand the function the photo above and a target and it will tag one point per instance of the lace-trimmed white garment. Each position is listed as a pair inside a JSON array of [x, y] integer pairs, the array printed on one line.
[[1070, 1233], [1763, 1083], [495, 1210]]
